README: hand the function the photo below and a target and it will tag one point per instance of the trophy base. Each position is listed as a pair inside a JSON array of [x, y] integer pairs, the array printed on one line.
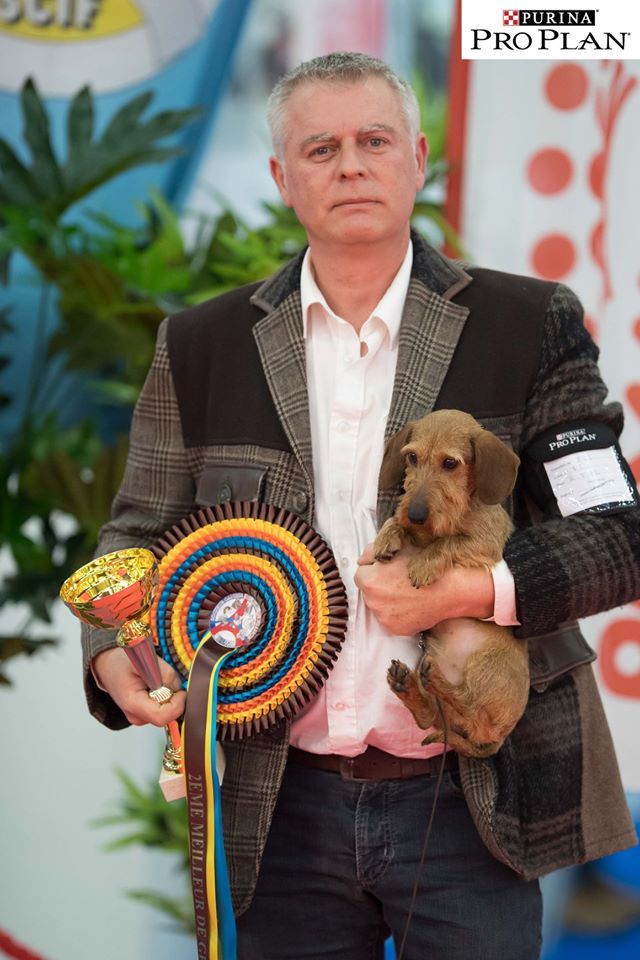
[[173, 785]]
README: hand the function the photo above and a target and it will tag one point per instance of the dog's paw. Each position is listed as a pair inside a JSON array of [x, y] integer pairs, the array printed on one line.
[[383, 555], [388, 542], [386, 548], [419, 572], [434, 737], [398, 676]]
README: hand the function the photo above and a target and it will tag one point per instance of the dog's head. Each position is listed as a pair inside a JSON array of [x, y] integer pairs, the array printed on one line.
[[449, 462]]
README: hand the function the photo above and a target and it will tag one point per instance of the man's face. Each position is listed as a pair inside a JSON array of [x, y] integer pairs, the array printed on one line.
[[349, 167]]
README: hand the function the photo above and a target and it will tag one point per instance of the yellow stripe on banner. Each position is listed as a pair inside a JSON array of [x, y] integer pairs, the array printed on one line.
[[210, 734], [62, 21]]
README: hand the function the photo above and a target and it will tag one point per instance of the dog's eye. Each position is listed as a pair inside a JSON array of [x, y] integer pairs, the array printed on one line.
[[412, 458], [449, 463]]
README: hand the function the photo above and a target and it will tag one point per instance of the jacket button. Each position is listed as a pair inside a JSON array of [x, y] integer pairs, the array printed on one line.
[[225, 493], [300, 501]]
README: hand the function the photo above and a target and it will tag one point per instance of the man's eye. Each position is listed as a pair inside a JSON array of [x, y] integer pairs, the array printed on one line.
[[449, 463], [376, 141]]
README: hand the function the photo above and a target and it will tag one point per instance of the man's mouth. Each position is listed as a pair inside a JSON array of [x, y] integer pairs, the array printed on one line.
[[355, 202]]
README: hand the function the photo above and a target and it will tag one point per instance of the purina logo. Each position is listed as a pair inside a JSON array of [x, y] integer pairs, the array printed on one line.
[[493, 32], [548, 18]]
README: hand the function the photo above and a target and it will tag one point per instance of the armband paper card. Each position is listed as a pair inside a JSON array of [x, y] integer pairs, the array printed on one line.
[[579, 468]]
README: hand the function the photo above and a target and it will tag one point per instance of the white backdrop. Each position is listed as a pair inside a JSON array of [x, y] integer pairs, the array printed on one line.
[[550, 188]]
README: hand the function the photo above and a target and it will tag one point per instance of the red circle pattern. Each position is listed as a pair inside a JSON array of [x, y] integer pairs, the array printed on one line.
[[616, 635], [633, 397], [566, 87], [554, 256], [596, 175], [550, 171]]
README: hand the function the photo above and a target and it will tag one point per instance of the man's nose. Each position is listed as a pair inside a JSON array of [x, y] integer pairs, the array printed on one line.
[[351, 162]]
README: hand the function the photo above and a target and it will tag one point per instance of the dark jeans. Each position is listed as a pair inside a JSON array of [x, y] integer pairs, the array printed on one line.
[[339, 868]]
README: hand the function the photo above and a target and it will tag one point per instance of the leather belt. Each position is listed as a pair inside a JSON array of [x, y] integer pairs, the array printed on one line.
[[374, 764]]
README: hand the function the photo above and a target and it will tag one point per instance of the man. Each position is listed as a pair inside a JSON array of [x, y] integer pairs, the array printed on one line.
[[280, 391]]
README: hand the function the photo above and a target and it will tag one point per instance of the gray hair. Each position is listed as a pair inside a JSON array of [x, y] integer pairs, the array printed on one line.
[[338, 68]]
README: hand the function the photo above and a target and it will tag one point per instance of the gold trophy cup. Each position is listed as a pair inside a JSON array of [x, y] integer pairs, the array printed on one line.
[[117, 590]]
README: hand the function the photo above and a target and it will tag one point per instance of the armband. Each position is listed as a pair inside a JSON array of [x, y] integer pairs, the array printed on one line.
[[579, 468]]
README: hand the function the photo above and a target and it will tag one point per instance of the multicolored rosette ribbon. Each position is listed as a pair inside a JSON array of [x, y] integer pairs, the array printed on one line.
[[251, 612]]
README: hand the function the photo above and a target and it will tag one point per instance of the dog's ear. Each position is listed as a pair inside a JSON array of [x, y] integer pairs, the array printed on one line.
[[496, 467], [392, 469]]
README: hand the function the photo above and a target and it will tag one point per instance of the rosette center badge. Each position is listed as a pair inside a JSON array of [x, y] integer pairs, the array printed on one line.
[[236, 620]]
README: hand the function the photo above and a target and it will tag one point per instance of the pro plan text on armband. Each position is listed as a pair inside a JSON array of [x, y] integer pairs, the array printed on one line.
[[570, 438]]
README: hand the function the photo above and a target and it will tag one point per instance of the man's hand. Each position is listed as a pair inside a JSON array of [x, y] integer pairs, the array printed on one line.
[[114, 672], [404, 609]]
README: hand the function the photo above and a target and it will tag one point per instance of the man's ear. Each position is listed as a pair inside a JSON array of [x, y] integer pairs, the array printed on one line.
[[496, 467], [392, 469], [422, 153], [277, 172]]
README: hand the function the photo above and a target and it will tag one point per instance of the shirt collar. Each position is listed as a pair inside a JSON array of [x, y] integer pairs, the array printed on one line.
[[388, 309]]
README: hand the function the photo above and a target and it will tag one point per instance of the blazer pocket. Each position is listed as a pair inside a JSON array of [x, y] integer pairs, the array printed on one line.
[[221, 482], [552, 655]]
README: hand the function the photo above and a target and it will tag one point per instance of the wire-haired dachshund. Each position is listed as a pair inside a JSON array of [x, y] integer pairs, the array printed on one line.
[[456, 476]]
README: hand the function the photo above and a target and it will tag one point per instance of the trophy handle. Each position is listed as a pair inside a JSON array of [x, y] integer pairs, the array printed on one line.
[[135, 639]]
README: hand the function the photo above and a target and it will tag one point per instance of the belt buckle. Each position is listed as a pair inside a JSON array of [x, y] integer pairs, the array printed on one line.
[[347, 769]]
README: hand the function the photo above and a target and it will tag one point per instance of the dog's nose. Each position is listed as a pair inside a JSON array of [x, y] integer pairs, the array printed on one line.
[[418, 511]]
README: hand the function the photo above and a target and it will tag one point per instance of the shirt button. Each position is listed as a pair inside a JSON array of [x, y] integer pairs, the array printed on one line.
[[344, 561], [343, 426], [339, 706]]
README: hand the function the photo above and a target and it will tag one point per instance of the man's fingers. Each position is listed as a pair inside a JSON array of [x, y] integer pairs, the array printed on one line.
[[117, 676], [140, 709]]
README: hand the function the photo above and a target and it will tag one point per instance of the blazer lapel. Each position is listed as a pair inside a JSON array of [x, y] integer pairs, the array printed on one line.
[[429, 333], [431, 328], [280, 342]]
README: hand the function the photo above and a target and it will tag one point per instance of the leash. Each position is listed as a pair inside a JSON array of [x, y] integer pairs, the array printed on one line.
[[425, 844]]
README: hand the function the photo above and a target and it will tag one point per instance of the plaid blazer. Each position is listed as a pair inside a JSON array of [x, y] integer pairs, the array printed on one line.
[[224, 414]]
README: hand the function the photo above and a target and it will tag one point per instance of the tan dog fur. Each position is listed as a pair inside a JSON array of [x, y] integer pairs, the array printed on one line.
[[456, 476]]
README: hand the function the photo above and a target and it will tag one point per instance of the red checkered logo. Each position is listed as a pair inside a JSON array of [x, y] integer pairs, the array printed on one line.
[[510, 18]]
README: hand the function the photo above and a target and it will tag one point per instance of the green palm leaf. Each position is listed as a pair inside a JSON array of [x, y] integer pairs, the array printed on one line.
[[128, 141], [45, 170]]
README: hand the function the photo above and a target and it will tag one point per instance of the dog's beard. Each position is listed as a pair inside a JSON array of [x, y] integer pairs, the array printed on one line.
[[431, 529]]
